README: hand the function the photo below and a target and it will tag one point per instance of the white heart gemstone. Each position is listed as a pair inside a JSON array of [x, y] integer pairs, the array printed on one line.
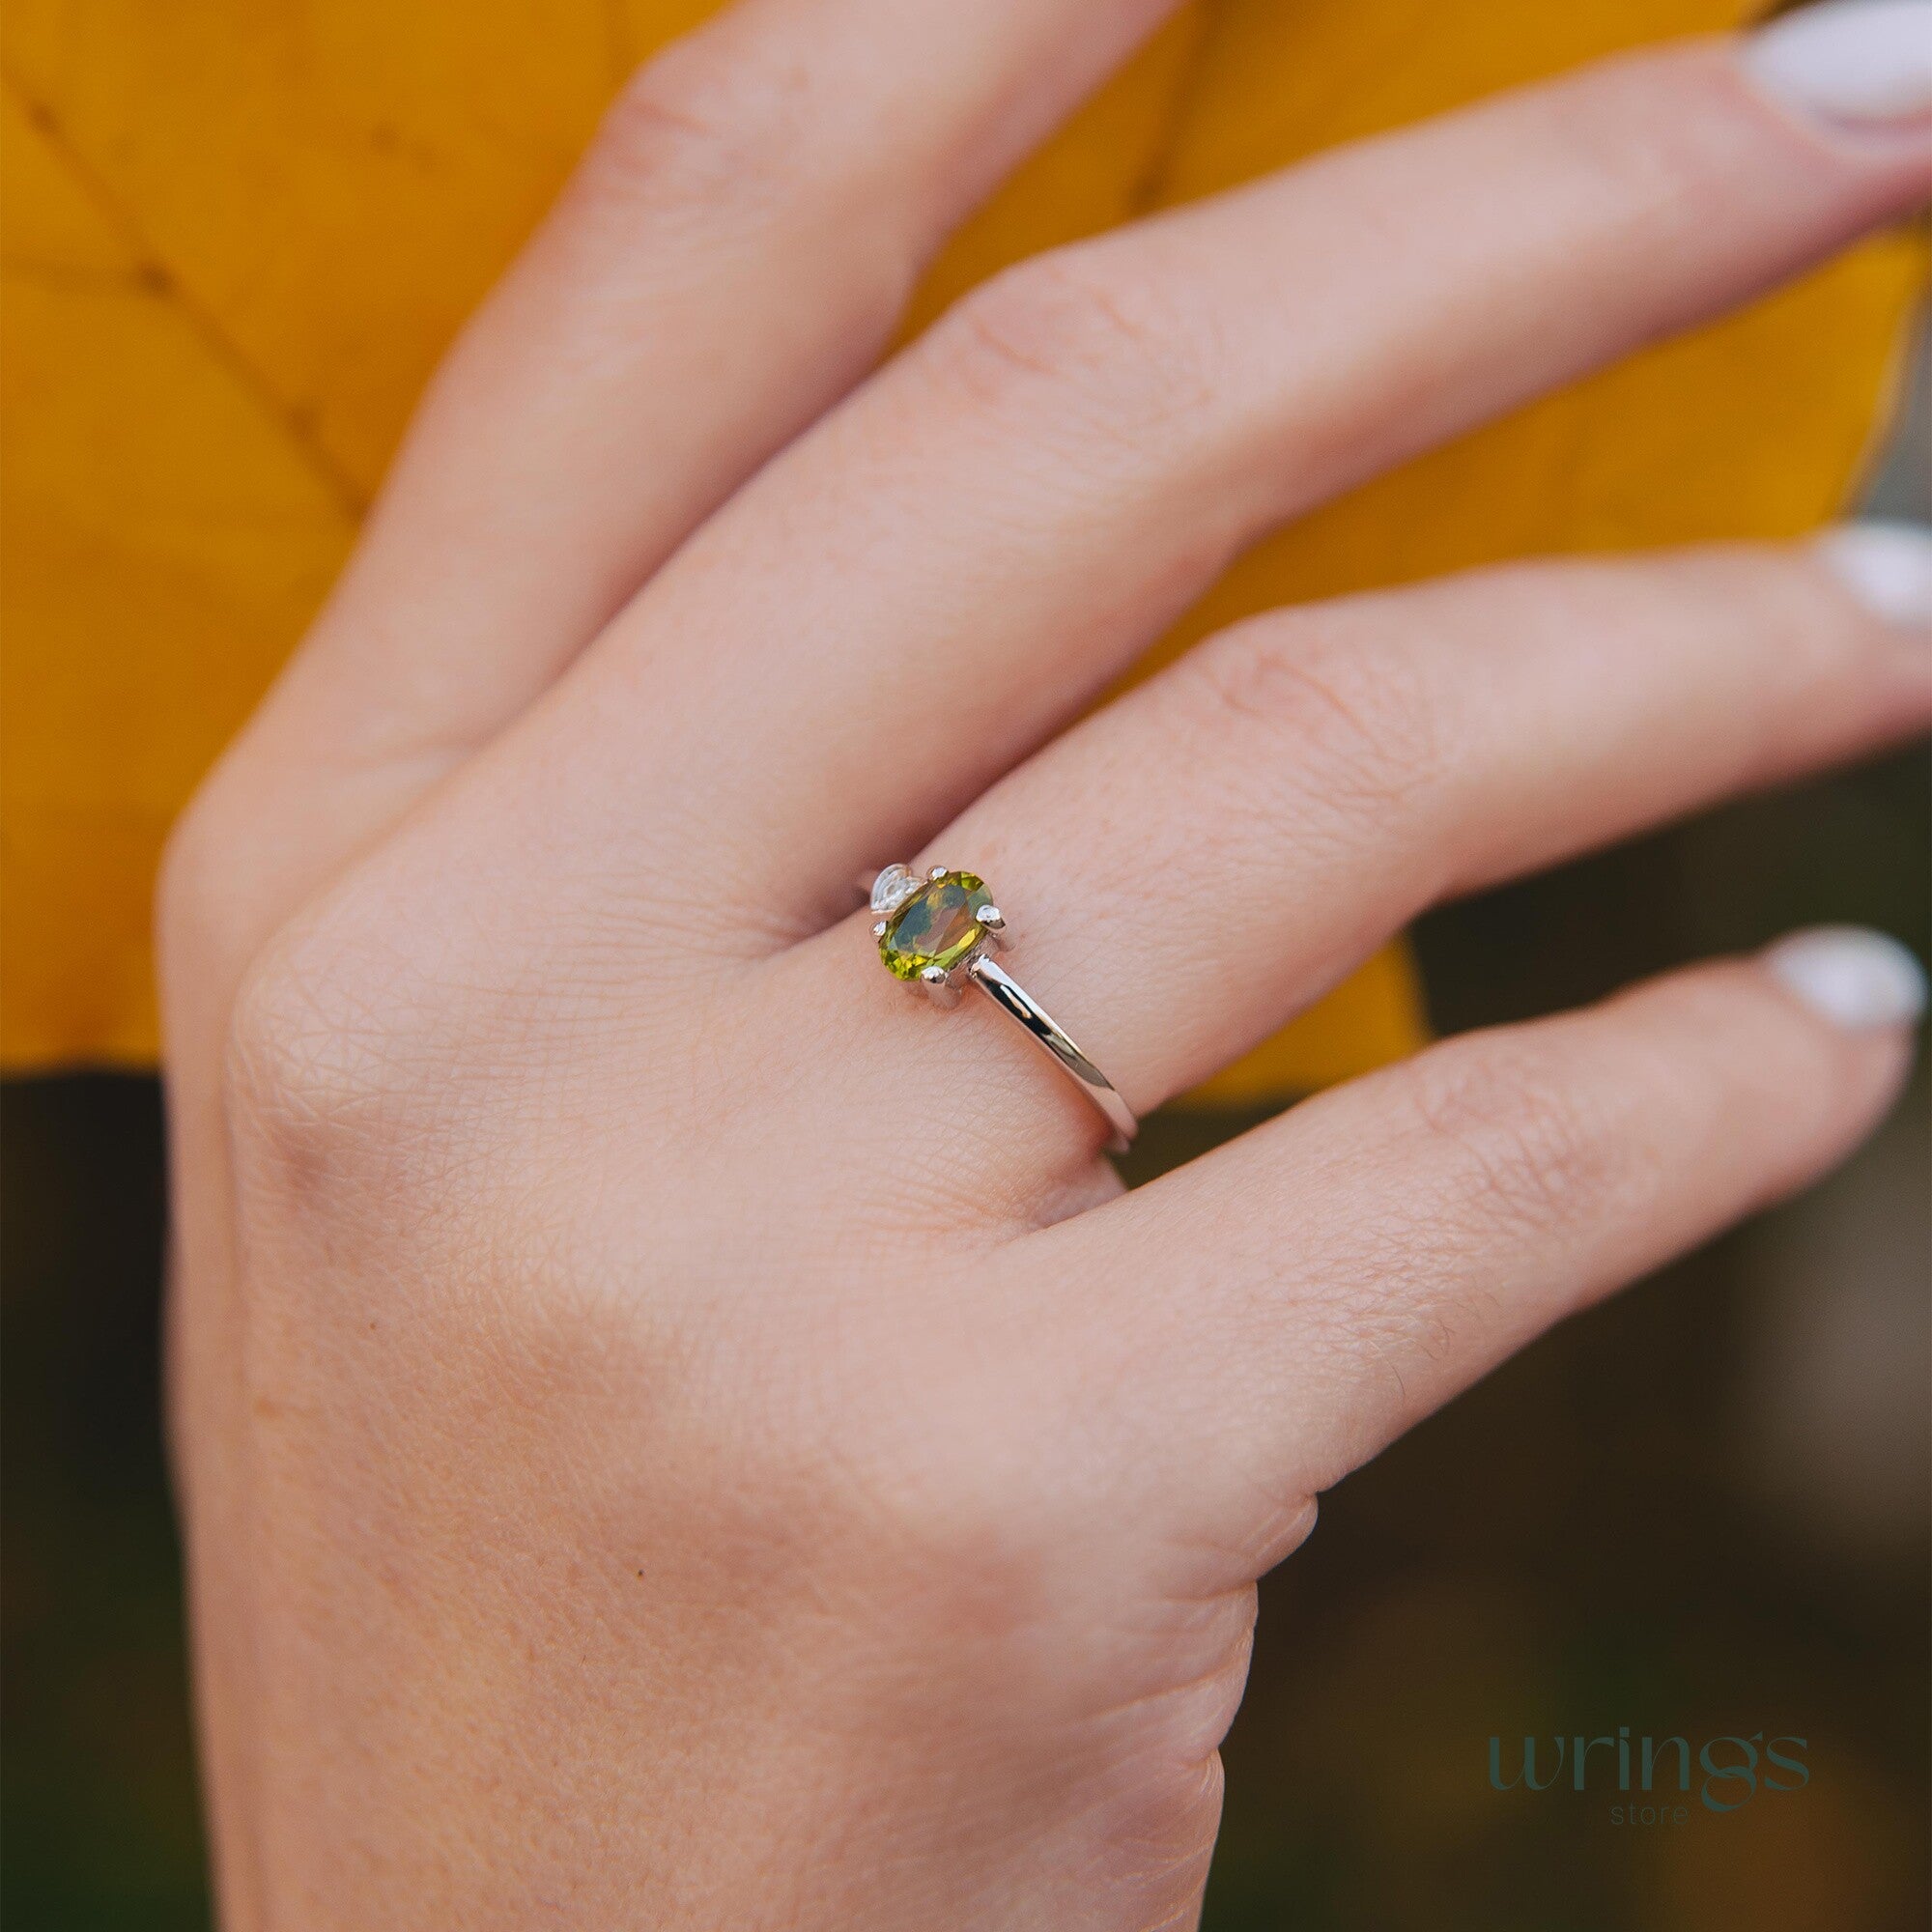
[[891, 888]]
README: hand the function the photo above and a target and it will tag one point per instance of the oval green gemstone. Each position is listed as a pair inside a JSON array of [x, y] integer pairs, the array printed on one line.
[[939, 926]]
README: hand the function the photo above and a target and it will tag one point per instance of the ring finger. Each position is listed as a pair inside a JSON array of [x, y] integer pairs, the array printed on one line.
[[1190, 865]]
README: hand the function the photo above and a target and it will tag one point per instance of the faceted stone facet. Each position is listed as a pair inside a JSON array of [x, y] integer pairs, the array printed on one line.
[[938, 926]]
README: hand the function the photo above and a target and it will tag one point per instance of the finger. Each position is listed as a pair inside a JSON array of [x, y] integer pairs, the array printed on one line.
[[983, 535], [730, 257], [1190, 865], [1317, 1287]]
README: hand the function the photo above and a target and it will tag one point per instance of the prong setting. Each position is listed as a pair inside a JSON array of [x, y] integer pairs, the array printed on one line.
[[931, 928], [939, 987], [939, 932]]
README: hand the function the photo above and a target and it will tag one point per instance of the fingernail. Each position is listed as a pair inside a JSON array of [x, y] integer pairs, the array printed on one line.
[[1855, 979], [1888, 567], [1865, 63]]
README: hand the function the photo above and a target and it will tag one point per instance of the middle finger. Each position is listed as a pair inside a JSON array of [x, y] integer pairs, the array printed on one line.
[[906, 602]]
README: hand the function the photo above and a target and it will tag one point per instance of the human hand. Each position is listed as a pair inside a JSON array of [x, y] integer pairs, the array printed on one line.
[[675, 1430]]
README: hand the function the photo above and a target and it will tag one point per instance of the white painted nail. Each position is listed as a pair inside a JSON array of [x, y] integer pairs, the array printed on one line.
[[1865, 63], [1855, 979], [1888, 567]]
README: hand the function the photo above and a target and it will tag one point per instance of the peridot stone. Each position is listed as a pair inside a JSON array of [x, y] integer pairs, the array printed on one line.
[[939, 926]]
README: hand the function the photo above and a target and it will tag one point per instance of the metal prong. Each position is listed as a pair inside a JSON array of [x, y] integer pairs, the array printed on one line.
[[939, 987], [937, 872], [992, 919], [879, 929]]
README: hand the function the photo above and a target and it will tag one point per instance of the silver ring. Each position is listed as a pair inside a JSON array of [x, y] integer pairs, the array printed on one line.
[[938, 932]]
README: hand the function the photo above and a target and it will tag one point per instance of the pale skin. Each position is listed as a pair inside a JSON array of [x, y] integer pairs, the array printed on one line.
[[676, 1431]]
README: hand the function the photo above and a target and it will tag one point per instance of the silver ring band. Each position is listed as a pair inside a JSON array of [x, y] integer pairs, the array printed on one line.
[[1012, 999], [938, 932]]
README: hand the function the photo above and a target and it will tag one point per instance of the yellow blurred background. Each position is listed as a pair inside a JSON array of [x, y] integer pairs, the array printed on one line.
[[236, 235]]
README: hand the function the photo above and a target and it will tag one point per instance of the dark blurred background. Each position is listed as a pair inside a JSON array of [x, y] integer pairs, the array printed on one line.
[[1701, 1510]]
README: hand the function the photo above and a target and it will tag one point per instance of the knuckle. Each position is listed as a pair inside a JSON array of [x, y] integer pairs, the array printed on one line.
[[704, 127], [1118, 349], [311, 1071], [1352, 723], [1528, 1149]]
